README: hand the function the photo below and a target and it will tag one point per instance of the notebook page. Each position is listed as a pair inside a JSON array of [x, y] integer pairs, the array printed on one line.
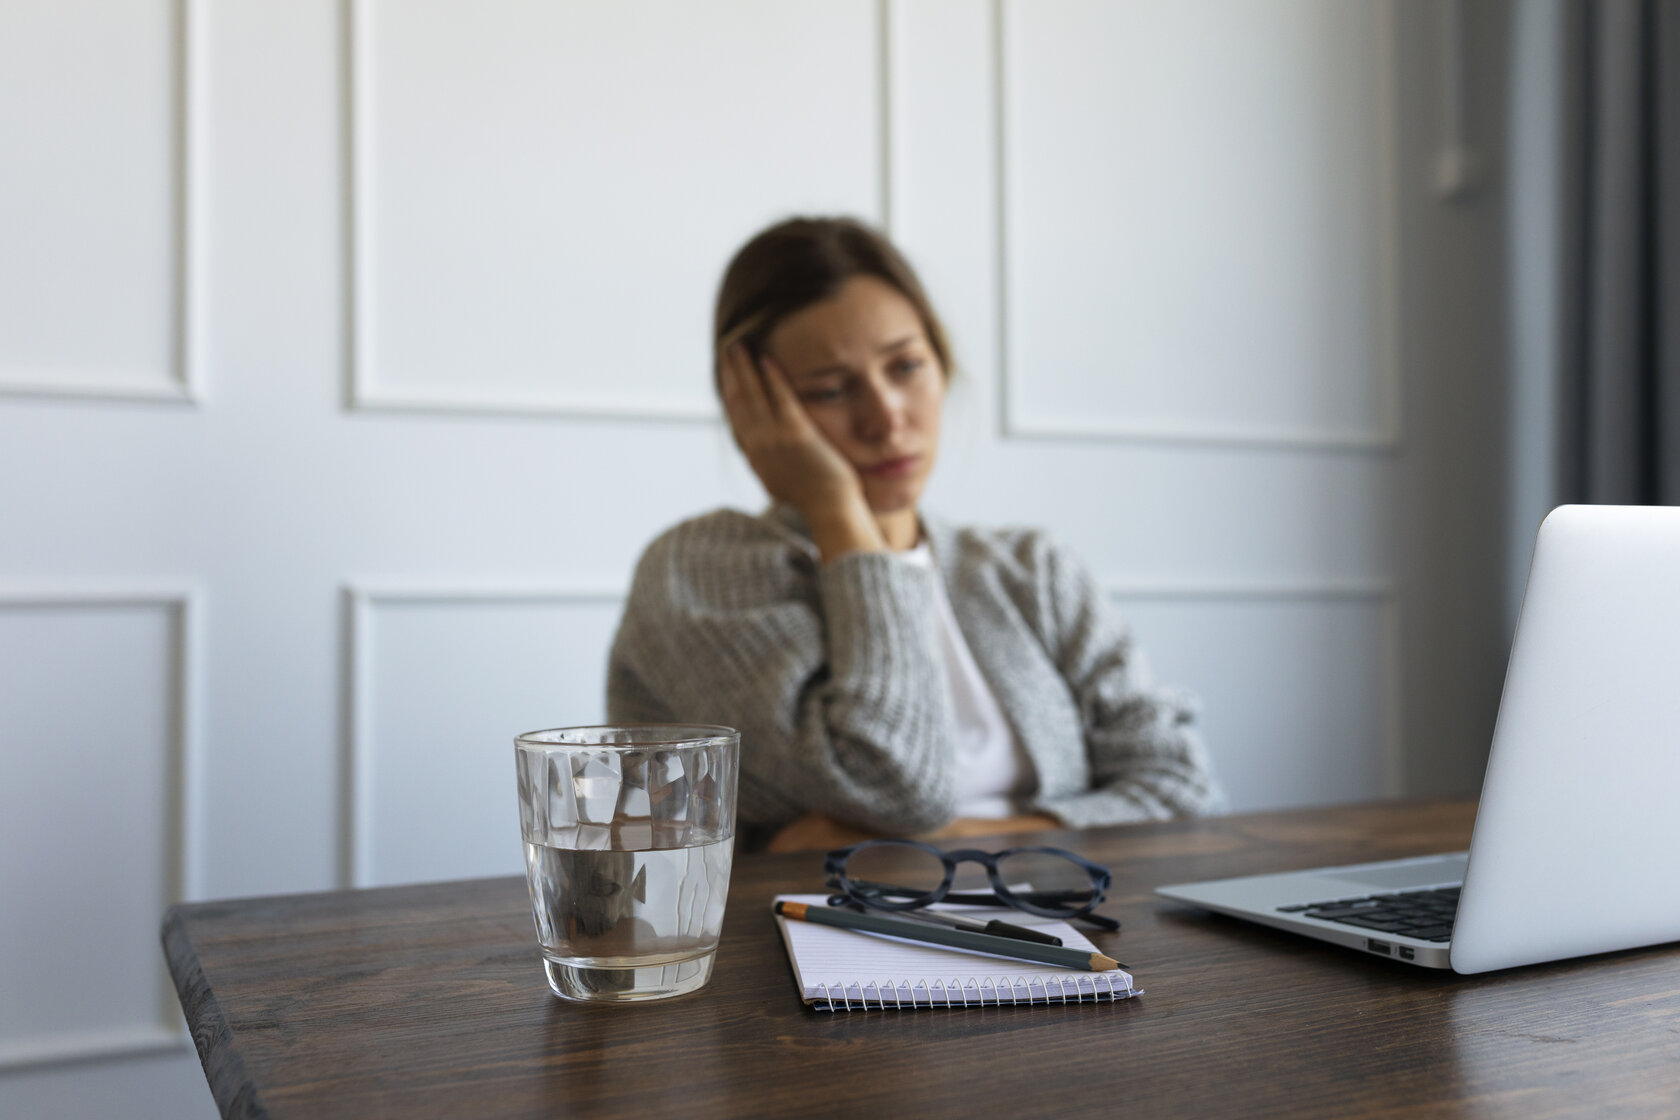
[[827, 959]]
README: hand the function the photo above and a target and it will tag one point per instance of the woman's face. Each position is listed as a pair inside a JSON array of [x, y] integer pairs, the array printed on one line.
[[862, 366]]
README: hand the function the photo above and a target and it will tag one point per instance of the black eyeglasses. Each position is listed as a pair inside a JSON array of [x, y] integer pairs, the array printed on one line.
[[907, 875]]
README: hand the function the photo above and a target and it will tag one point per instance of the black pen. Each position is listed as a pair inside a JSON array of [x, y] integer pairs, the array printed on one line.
[[951, 938], [993, 927]]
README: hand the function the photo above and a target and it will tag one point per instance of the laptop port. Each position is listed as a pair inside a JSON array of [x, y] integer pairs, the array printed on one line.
[[1407, 953], [1376, 946]]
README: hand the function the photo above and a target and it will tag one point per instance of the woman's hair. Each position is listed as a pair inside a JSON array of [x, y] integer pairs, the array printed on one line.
[[802, 261]]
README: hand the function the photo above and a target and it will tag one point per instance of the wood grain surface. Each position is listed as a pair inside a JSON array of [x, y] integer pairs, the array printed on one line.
[[429, 1001]]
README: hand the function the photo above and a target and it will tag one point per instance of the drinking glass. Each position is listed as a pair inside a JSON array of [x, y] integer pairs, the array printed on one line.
[[629, 831]]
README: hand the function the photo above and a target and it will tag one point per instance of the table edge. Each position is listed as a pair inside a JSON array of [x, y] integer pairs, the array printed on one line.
[[235, 1093]]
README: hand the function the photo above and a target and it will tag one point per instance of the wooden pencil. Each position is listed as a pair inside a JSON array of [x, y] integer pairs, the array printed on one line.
[[951, 938]]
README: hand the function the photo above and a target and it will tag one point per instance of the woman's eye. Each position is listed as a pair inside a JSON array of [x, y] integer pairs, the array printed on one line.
[[905, 367], [823, 395]]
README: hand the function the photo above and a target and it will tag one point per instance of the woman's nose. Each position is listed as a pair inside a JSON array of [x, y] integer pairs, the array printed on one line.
[[879, 411]]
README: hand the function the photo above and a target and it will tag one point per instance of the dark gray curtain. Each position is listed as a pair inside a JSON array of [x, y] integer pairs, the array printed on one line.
[[1618, 398]]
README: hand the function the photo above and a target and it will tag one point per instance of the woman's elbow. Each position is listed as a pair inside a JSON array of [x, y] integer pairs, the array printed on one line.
[[888, 795]]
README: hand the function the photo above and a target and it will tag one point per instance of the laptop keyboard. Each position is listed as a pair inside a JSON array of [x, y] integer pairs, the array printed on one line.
[[1425, 915]]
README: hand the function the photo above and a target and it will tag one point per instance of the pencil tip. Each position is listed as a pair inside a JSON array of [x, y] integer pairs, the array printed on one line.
[[1100, 963]]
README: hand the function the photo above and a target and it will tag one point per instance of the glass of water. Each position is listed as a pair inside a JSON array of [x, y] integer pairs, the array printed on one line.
[[629, 832]]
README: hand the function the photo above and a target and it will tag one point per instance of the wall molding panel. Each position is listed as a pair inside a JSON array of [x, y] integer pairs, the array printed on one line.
[[1380, 597], [1017, 420], [889, 62], [183, 381], [361, 603], [369, 390], [82, 1047], [1376, 590], [183, 845]]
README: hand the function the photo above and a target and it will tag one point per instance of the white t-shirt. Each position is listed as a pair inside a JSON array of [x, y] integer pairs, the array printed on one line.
[[992, 767]]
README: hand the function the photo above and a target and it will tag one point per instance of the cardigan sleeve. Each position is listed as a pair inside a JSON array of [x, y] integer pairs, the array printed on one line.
[[1147, 761], [831, 673]]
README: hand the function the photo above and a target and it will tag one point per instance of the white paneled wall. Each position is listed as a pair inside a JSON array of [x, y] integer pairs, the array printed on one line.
[[351, 350], [98, 712], [1203, 187], [99, 156], [543, 193], [433, 668]]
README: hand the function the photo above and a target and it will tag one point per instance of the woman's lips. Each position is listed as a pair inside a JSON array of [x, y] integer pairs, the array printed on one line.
[[893, 468]]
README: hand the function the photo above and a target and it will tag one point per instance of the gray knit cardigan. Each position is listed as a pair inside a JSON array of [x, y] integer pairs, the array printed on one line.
[[833, 674]]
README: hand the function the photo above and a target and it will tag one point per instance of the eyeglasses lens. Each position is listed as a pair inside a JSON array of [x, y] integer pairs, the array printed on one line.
[[895, 872], [1047, 880]]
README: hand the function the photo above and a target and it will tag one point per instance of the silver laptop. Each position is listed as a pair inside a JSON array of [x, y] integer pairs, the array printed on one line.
[[1576, 848]]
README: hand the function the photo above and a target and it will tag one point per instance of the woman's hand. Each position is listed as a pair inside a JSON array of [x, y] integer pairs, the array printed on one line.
[[791, 458], [816, 832]]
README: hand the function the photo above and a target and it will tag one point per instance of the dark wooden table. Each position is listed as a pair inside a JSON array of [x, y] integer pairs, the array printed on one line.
[[430, 1001]]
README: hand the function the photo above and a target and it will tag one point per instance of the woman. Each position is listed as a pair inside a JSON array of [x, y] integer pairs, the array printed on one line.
[[886, 671]]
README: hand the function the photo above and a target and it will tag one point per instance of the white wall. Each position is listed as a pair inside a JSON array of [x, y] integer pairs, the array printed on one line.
[[349, 353]]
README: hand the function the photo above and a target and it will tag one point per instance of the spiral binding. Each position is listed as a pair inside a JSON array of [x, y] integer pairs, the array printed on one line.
[[998, 992]]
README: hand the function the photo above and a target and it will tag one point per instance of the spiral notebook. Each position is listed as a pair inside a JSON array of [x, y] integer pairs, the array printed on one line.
[[845, 970]]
